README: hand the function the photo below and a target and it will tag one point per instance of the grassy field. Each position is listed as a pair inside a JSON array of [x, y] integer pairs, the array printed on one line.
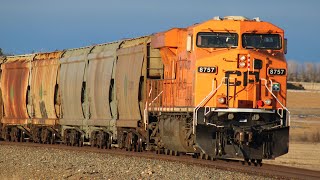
[[301, 155], [305, 116], [304, 148], [304, 102]]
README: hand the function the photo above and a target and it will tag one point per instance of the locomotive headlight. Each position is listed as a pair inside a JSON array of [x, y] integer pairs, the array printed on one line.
[[242, 64], [267, 102], [221, 100], [242, 58]]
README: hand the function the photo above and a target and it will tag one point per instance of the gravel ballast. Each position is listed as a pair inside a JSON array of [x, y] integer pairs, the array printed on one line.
[[21, 162]]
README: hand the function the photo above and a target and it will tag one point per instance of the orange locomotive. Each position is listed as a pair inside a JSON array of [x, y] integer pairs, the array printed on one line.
[[215, 89], [226, 80]]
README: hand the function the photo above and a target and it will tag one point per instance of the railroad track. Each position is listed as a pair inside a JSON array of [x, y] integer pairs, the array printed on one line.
[[267, 170]]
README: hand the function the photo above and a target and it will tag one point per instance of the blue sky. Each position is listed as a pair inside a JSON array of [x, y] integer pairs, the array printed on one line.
[[47, 25]]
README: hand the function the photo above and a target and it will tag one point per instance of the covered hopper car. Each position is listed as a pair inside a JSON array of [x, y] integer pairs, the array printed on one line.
[[216, 89]]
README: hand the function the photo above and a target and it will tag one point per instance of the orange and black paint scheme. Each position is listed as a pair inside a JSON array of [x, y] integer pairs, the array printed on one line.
[[230, 75]]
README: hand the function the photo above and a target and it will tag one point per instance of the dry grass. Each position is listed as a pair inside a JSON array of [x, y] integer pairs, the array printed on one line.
[[301, 155], [303, 99], [305, 111], [305, 130], [304, 148]]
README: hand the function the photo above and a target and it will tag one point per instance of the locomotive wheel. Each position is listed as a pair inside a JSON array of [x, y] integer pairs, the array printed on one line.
[[254, 162], [248, 162], [259, 162], [161, 151]]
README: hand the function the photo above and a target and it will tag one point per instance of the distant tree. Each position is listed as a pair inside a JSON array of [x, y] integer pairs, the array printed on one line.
[[303, 71], [1, 53], [292, 71], [317, 79]]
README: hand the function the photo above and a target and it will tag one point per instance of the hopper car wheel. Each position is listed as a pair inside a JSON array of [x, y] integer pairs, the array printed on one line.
[[6, 134], [201, 155], [121, 140], [139, 147], [53, 138], [204, 156], [93, 138], [207, 157], [129, 141], [44, 136], [66, 138], [195, 155], [108, 141], [100, 140], [81, 140], [22, 136], [72, 138], [14, 134], [176, 153], [166, 151], [35, 134]]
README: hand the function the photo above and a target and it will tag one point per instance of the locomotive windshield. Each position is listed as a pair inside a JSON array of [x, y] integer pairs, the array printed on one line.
[[217, 40], [261, 41]]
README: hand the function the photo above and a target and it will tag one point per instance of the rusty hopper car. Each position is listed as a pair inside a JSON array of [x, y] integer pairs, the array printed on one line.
[[216, 89]]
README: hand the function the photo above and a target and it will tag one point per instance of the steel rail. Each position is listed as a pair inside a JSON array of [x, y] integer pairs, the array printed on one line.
[[266, 170]]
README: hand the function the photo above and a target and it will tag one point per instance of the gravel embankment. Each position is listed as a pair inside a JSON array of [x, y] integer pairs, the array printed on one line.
[[19, 162]]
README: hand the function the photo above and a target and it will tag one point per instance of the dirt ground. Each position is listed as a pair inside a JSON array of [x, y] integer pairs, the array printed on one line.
[[304, 147], [301, 155]]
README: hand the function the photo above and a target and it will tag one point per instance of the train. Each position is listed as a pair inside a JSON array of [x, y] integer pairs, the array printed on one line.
[[215, 89]]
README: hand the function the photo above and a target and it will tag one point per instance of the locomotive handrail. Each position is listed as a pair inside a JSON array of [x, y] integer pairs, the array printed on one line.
[[266, 85], [145, 117], [155, 98], [145, 112], [213, 91]]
